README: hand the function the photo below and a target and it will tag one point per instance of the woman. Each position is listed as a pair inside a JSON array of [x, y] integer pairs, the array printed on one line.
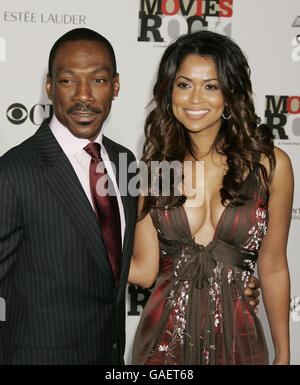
[[202, 255]]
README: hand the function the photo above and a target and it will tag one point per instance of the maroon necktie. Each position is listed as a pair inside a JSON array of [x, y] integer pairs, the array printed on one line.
[[106, 208]]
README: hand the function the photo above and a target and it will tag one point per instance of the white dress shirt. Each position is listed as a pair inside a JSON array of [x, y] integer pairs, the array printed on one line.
[[73, 147]]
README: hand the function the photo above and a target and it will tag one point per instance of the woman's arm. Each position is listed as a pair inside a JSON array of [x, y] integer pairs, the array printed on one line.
[[145, 260], [272, 263]]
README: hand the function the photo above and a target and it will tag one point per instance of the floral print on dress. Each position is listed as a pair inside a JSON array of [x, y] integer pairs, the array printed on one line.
[[258, 230], [178, 300], [229, 275], [245, 277], [214, 291]]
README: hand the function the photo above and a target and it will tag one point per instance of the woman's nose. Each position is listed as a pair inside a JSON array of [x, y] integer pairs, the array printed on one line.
[[197, 95]]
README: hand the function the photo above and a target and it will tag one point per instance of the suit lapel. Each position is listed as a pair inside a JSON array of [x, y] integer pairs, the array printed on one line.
[[62, 179]]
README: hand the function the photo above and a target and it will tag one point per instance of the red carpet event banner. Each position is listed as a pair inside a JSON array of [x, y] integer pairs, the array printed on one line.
[[268, 31]]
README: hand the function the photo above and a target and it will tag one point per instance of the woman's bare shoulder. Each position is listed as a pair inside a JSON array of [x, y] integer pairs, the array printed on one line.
[[282, 160]]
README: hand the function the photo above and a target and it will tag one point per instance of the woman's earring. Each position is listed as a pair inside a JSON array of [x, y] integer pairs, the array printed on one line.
[[226, 117]]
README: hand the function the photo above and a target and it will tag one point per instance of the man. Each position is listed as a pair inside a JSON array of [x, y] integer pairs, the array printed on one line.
[[64, 295], [64, 261]]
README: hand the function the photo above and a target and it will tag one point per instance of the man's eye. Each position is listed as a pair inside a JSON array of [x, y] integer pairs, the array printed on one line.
[[99, 80], [65, 81]]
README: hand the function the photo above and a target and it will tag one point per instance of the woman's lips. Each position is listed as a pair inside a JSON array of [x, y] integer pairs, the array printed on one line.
[[195, 113]]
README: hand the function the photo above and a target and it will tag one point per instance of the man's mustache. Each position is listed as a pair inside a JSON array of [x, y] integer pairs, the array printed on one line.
[[80, 107]]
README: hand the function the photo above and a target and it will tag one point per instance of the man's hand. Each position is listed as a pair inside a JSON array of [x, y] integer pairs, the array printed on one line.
[[252, 292]]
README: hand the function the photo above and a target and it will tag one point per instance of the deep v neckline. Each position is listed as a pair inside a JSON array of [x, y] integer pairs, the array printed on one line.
[[189, 228], [219, 221]]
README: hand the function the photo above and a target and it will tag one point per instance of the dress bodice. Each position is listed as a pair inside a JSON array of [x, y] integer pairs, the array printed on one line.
[[243, 226]]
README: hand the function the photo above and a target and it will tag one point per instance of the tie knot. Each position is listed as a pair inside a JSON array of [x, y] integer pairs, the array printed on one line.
[[93, 149]]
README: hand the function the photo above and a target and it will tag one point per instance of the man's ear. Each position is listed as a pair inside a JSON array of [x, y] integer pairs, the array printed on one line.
[[116, 85], [49, 87]]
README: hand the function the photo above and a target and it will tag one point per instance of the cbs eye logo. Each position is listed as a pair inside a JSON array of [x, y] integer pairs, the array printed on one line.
[[17, 113]]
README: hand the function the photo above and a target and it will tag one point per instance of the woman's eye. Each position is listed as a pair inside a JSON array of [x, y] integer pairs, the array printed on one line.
[[212, 87], [183, 85]]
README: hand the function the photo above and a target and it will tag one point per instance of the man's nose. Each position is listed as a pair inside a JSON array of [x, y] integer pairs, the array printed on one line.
[[83, 92]]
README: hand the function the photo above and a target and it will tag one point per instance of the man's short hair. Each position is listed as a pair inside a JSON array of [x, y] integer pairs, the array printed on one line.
[[81, 34]]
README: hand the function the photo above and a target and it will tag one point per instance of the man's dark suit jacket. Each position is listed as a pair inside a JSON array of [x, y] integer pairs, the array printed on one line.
[[62, 306]]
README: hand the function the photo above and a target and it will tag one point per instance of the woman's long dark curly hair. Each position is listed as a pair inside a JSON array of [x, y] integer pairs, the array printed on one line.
[[241, 139]]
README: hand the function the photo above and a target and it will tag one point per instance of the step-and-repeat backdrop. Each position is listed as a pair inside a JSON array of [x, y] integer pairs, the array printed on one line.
[[268, 31]]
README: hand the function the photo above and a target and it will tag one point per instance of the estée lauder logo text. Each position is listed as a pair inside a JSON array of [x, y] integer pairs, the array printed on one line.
[[43, 18]]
